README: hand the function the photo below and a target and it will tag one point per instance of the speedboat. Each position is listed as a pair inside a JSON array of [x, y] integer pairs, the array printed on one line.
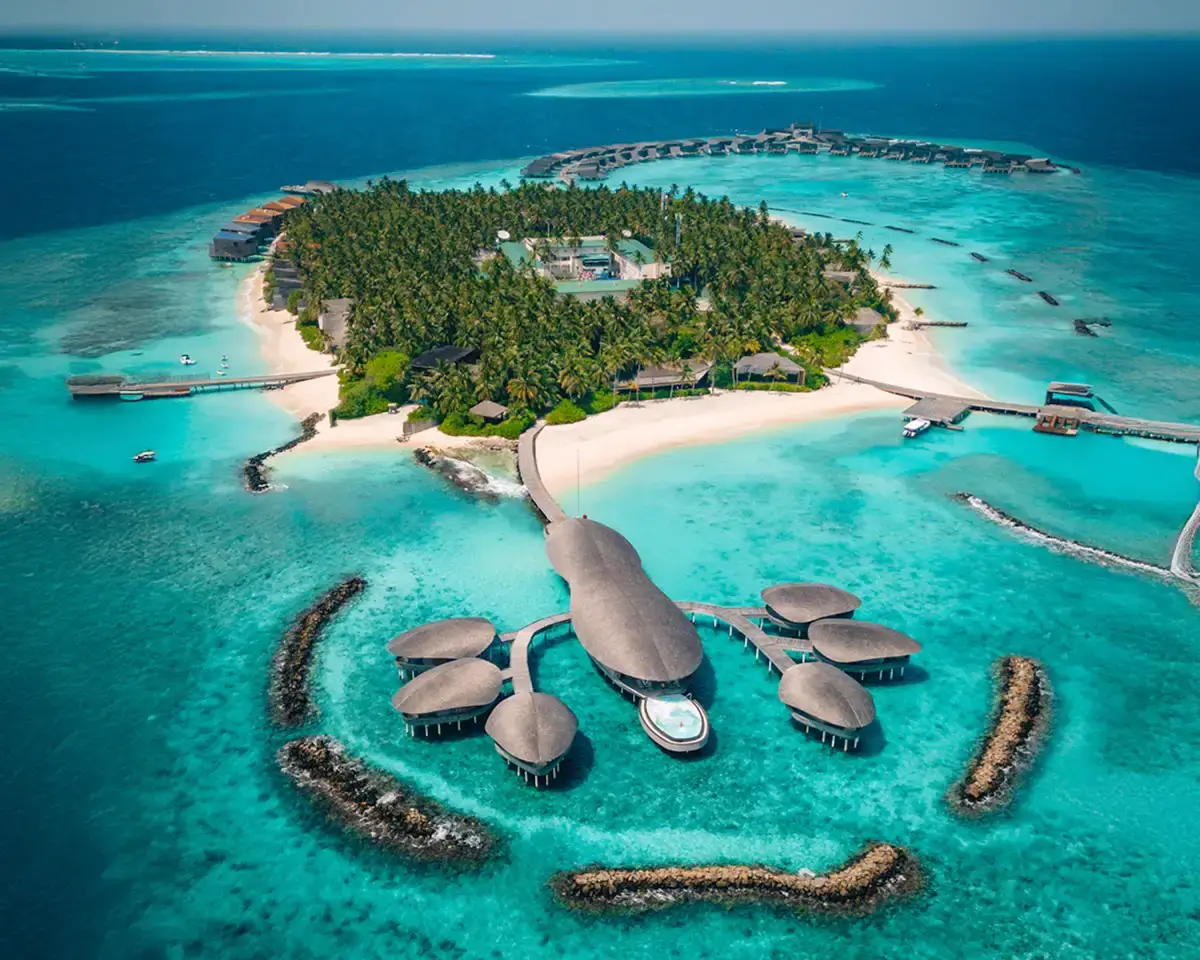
[[220, 373], [144, 457], [916, 427], [186, 360]]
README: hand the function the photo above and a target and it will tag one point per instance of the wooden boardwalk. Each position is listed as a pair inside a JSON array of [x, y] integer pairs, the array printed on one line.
[[527, 470], [1093, 420], [774, 649], [184, 386], [518, 658]]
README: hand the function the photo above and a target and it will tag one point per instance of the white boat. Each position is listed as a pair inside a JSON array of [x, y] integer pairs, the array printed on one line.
[[186, 360], [144, 457], [916, 427], [131, 396]]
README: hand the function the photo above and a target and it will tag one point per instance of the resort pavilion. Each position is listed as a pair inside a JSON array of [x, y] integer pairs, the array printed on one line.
[[533, 731], [857, 646], [821, 697], [489, 410], [456, 691], [634, 633], [768, 366], [433, 644], [794, 606], [667, 377], [865, 320]]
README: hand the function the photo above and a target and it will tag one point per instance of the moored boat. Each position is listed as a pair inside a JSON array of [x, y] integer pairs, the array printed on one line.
[[916, 427], [144, 457], [186, 360]]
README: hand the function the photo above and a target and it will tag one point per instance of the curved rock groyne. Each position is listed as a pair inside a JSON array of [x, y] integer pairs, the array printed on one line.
[[875, 876], [1019, 726], [289, 694], [378, 808], [254, 471], [1082, 551]]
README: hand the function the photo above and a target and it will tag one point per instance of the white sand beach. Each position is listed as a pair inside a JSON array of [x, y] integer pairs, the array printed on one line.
[[601, 444]]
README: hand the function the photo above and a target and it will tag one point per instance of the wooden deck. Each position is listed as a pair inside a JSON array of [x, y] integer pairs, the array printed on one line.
[[1093, 420], [183, 386], [527, 470], [738, 619], [518, 658]]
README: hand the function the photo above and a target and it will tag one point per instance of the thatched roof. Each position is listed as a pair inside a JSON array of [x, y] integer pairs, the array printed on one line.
[[444, 639], [761, 364], [622, 619], [534, 728], [848, 642], [823, 692], [457, 685], [802, 603], [489, 410]]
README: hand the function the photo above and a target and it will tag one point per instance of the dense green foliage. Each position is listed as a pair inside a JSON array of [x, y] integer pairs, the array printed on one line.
[[419, 268], [312, 335], [565, 411], [460, 425]]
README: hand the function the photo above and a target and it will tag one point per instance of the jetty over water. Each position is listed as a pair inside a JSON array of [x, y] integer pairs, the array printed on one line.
[[130, 388], [1069, 419], [596, 163]]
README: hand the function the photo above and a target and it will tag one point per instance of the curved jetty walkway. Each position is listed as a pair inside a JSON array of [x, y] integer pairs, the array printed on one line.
[[774, 648], [1088, 419], [518, 658], [1182, 557], [527, 470]]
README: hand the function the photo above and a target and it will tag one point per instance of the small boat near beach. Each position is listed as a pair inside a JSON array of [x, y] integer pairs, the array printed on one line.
[[186, 360], [144, 457], [916, 427]]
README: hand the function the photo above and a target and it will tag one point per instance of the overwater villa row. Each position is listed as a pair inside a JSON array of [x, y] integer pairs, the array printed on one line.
[[244, 237], [646, 646], [596, 163]]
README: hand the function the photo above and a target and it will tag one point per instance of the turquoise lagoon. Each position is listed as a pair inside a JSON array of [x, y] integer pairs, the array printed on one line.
[[145, 603]]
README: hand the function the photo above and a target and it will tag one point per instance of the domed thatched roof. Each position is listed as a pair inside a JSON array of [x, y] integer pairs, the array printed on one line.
[[824, 693], [457, 685], [857, 641], [622, 619], [802, 603], [444, 639], [534, 728]]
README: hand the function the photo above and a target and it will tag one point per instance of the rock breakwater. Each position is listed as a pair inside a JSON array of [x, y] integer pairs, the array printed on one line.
[[1082, 551], [878, 874], [290, 692], [1019, 726], [254, 471], [376, 807]]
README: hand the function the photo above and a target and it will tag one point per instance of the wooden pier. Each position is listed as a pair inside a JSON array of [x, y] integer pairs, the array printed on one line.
[[1092, 420], [527, 470], [741, 623], [128, 388]]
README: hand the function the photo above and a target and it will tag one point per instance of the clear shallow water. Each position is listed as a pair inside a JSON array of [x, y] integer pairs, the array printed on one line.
[[143, 604]]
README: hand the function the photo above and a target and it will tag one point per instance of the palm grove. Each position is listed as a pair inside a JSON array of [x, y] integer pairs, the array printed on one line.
[[420, 268]]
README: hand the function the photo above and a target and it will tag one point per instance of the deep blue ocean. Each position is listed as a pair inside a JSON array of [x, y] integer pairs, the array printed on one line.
[[141, 816]]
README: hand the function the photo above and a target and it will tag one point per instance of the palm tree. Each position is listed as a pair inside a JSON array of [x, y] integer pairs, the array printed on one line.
[[885, 261]]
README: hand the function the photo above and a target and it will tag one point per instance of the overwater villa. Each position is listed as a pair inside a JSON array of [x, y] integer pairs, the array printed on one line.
[[433, 644], [862, 648], [799, 138], [822, 698], [794, 607], [449, 694]]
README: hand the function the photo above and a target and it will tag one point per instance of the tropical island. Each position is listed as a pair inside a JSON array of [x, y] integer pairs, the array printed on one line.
[[493, 307]]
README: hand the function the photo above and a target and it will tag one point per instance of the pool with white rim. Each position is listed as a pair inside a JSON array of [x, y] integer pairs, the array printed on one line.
[[675, 716]]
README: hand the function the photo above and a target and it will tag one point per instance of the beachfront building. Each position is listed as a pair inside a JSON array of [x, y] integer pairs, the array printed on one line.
[[686, 375], [636, 636], [333, 321], [865, 321], [433, 644], [769, 366], [821, 697], [451, 694], [489, 411], [793, 607], [447, 354], [862, 648], [235, 241]]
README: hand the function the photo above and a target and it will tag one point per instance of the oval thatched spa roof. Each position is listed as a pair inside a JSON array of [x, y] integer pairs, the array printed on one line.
[[453, 686], [622, 619], [802, 603], [444, 639], [823, 692], [534, 728], [857, 641]]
